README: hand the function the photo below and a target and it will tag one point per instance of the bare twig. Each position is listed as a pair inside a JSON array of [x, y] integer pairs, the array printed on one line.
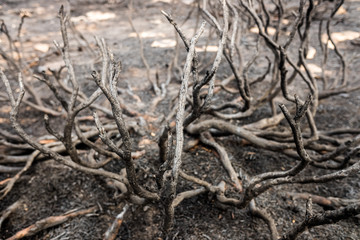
[[6, 213], [10, 184], [179, 130], [187, 194], [329, 217], [266, 217], [329, 202], [209, 140], [155, 86], [113, 230], [50, 222]]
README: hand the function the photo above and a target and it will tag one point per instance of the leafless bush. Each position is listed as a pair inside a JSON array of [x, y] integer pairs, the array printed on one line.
[[198, 115]]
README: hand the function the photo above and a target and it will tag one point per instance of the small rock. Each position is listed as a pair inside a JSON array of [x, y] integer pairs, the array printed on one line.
[[42, 47], [311, 53]]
